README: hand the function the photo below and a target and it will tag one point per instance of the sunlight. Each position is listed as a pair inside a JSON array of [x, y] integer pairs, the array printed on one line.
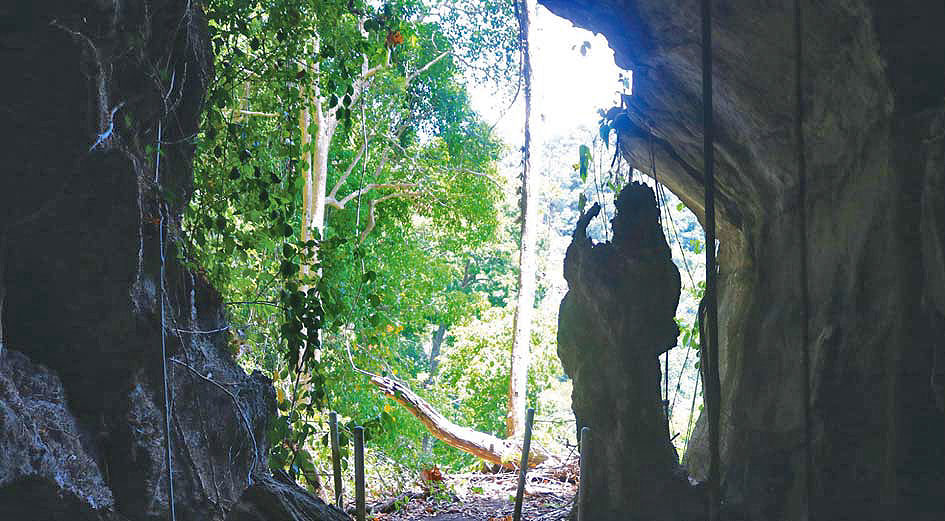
[[569, 86]]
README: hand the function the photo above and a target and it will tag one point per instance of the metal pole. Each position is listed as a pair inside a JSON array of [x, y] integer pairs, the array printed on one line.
[[359, 473], [582, 484], [523, 470], [335, 458], [711, 356]]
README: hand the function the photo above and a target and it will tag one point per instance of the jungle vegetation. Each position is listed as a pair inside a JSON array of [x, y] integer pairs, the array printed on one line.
[[360, 218]]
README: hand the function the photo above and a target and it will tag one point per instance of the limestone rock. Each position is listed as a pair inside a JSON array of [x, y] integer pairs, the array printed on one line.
[[615, 321], [874, 92], [45, 471], [84, 210]]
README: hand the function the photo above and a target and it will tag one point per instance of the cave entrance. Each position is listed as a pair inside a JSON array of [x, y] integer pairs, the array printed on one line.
[[576, 82]]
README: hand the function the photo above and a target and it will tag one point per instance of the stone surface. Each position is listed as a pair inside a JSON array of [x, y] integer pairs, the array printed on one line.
[[614, 322], [88, 88], [277, 498], [45, 471], [874, 87]]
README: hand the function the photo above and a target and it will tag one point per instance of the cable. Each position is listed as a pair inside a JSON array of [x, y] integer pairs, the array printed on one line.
[[710, 356], [802, 218], [692, 410], [168, 459], [167, 404]]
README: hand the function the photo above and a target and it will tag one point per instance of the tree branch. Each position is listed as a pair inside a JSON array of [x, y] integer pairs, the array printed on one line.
[[340, 205], [255, 113], [371, 220], [344, 177], [426, 67], [506, 453]]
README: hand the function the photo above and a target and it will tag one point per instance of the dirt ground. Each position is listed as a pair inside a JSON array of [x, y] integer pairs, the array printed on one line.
[[549, 494]]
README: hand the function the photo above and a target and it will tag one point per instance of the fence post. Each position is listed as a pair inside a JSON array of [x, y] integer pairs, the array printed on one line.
[[359, 473], [583, 500], [523, 469], [335, 458]]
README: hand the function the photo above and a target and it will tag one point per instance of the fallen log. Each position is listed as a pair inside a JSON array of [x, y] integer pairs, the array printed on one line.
[[506, 453]]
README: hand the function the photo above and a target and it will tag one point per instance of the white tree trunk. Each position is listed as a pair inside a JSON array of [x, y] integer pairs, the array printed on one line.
[[316, 172], [326, 130]]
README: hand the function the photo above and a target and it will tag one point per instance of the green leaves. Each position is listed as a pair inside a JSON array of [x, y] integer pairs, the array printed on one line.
[[584, 153], [605, 134], [245, 220]]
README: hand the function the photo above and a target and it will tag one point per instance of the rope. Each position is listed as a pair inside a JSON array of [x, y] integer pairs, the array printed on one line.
[[367, 157], [710, 355], [168, 459], [672, 405], [167, 407], [805, 296], [692, 410], [661, 204]]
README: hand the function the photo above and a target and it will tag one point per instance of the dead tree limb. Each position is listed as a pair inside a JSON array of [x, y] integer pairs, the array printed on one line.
[[505, 453]]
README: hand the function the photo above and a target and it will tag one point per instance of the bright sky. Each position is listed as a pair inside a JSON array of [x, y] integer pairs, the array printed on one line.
[[568, 87]]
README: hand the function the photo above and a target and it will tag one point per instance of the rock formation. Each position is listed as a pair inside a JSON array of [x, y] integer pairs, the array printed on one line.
[[616, 319], [90, 275], [874, 126]]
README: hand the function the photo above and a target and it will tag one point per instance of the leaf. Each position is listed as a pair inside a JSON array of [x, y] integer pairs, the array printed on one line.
[[585, 161], [605, 134], [582, 202]]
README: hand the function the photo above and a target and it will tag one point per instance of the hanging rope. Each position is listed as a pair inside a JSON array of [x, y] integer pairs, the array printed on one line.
[[167, 403], [692, 410], [661, 203], [802, 218], [711, 347]]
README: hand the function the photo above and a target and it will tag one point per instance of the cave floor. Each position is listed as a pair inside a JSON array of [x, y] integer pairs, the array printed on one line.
[[549, 493]]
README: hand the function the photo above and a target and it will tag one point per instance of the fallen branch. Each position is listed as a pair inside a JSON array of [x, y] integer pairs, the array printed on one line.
[[506, 453]]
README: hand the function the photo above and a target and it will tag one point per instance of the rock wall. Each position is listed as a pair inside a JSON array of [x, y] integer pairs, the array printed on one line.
[[89, 276], [874, 87], [615, 321]]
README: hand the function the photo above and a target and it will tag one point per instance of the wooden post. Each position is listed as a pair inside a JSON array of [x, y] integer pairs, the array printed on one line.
[[523, 469], [359, 473], [583, 500], [335, 458]]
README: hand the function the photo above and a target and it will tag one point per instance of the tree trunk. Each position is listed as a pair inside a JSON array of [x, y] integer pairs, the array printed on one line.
[[521, 340], [316, 157], [507, 453], [435, 344]]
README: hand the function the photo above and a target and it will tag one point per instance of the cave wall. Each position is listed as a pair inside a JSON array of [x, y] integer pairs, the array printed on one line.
[[91, 91], [874, 88]]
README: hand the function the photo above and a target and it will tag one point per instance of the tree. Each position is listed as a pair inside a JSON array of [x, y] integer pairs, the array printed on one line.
[[341, 180], [525, 303]]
